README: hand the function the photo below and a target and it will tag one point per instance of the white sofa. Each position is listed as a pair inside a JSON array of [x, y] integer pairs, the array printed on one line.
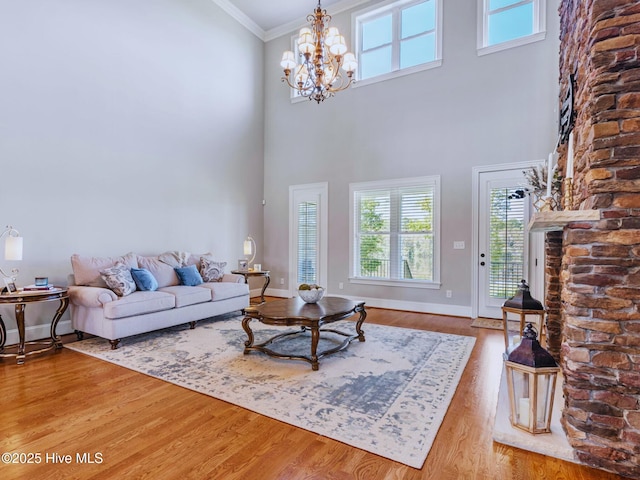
[[98, 310]]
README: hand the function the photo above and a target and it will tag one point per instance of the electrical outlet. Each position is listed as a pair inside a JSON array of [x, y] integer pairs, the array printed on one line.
[[449, 293], [282, 281], [458, 245], [341, 285]]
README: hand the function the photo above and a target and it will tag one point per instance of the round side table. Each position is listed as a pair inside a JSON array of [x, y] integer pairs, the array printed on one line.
[[20, 299], [255, 273]]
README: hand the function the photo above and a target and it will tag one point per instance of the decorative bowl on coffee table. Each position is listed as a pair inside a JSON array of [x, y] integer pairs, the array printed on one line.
[[311, 295]]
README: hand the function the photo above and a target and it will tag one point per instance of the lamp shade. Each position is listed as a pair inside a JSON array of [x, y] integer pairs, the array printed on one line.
[[13, 248], [349, 63], [248, 248], [288, 61]]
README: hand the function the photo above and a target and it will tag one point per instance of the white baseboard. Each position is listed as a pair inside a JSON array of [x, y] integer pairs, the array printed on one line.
[[38, 332], [435, 308]]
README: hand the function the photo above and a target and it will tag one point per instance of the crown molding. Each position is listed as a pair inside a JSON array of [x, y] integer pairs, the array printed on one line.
[[294, 25], [241, 18]]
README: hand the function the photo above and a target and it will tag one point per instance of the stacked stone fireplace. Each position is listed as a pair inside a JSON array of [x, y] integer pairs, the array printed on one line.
[[593, 268]]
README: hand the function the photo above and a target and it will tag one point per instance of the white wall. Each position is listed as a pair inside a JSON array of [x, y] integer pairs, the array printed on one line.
[[127, 125], [472, 111]]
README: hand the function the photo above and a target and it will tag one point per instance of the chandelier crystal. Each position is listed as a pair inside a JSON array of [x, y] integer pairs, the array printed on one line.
[[324, 60]]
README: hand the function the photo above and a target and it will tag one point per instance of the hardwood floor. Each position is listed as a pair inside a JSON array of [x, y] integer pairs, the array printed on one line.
[[134, 426]]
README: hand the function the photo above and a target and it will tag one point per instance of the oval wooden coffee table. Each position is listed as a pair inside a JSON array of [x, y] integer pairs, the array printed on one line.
[[308, 316]]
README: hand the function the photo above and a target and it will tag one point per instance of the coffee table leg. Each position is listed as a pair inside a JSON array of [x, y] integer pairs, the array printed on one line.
[[245, 326], [315, 337], [359, 331]]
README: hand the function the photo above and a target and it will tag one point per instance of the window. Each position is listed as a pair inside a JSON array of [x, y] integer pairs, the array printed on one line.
[[395, 232], [398, 38], [509, 23]]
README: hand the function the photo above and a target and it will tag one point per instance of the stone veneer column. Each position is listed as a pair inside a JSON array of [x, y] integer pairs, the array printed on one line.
[[553, 264], [600, 276]]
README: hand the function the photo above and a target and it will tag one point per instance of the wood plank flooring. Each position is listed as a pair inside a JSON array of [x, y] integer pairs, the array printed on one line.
[[132, 426]]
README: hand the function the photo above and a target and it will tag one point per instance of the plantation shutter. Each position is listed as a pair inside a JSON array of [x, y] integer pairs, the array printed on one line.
[[307, 242], [507, 234], [416, 233]]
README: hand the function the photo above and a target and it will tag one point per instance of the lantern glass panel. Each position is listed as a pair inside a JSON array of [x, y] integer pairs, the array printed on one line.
[[531, 393]]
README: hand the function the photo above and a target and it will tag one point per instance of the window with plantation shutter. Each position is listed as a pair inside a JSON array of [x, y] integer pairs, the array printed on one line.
[[307, 242], [507, 244], [395, 234]]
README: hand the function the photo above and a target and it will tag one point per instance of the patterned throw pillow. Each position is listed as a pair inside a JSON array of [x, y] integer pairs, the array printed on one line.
[[211, 270], [118, 278]]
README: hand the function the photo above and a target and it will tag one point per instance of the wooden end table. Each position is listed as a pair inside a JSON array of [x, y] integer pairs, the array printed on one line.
[[19, 300], [255, 273], [312, 316]]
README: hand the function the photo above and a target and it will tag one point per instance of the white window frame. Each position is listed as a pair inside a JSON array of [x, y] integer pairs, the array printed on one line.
[[294, 95], [432, 181], [539, 27], [383, 8]]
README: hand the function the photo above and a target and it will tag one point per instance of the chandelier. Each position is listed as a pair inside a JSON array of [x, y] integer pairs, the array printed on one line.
[[323, 54]]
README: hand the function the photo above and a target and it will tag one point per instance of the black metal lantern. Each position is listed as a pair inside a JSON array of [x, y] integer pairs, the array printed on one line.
[[521, 304], [531, 378]]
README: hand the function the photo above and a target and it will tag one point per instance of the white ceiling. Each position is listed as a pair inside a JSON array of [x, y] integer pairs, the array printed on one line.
[[271, 18]]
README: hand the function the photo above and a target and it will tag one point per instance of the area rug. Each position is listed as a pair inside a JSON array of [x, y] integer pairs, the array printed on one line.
[[491, 323], [387, 395]]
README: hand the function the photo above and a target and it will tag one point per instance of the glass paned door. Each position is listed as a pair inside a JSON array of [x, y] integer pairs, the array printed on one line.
[[503, 243], [307, 235]]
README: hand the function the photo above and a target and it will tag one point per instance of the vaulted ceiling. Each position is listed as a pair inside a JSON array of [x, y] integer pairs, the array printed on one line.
[[269, 19]]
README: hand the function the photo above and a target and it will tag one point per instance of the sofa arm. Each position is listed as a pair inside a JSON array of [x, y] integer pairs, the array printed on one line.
[[90, 296], [233, 278]]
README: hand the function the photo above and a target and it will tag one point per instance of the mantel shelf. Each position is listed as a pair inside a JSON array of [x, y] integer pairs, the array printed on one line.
[[548, 221]]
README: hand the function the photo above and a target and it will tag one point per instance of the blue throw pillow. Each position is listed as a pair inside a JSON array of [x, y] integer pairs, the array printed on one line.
[[189, 275], [144, 279]]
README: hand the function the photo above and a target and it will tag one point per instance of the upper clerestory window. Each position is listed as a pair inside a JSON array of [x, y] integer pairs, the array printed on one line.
[[505, 24], [397, 38]]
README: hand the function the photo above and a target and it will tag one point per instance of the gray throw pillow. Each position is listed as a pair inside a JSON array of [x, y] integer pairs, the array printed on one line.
[[118, 278]]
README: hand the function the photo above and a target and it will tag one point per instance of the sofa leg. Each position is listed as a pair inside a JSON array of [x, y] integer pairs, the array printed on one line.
[[79, 334], [114, 343], [192, 325]]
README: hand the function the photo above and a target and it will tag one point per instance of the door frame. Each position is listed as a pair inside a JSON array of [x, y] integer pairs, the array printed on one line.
[[475, 248], [321, 189]]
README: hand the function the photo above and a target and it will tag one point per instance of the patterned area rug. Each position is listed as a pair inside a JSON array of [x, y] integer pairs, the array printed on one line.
[[387, 395]]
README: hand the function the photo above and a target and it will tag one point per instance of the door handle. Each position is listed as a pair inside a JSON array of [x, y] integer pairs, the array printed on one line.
[[482, 264]]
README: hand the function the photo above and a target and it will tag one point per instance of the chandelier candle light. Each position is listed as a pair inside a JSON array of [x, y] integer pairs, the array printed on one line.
[[323, 54]]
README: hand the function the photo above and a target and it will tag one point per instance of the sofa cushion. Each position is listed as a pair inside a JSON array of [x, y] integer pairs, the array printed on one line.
[[189, 275], [188, 295], [224, 290], [194, 258], [163, 273], [139, 303], [175, 258], [86, 270], [144, 279], [211, 270], [118, 278]]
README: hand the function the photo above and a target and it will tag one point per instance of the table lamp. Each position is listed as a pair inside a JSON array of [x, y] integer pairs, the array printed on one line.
[[12, 249], [250, 249]]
